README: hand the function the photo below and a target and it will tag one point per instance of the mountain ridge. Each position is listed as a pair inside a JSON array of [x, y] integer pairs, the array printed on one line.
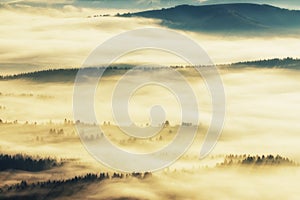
[[238, 17]]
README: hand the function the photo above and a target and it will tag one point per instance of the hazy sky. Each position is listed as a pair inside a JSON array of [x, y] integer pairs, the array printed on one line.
[[143, 4]]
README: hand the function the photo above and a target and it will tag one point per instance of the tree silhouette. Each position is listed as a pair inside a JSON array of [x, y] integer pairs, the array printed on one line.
[[26, 163], [59, 188], [244, 160]]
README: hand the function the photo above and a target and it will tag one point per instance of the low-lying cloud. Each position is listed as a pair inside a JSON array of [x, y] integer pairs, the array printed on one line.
[[34, 38]]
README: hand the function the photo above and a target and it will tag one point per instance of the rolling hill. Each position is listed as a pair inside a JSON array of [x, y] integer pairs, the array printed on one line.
[[238, 17]]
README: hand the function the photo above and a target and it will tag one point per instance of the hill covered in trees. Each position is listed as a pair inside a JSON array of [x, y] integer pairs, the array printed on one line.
[[65, 75], [287, 63], [234, 18], [69, 75], [50, 75], [67, 188], [53, 189]]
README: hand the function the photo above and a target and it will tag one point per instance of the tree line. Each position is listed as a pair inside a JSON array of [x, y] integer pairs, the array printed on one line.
[[58, 188], [27, 163], [257, 160], [276, 62]]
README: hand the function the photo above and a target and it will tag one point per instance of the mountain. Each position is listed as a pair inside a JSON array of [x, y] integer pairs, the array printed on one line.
[[241, 17]]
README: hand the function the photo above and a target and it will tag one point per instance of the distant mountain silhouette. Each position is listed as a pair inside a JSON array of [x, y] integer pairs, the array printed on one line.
[[238, 17]]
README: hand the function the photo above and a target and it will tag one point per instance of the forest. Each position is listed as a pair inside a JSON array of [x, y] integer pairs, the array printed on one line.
[[27, 163], [52, 189]]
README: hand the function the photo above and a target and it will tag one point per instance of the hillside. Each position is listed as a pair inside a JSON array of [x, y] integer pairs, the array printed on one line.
[[238, 17]]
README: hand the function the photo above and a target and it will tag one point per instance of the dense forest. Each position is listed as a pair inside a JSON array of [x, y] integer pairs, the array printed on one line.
[[26, 163], [52, 189]]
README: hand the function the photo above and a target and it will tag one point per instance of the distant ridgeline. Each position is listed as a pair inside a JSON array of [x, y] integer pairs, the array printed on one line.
[[69, 75], [50, 75], [287, 63], [233, 18]]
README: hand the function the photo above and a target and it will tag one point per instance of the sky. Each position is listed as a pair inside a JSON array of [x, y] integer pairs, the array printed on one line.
[[141, 4], [36, 34]]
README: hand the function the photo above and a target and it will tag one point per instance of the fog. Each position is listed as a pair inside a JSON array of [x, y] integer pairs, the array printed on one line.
[[260, 103], [37, 116], [204, 184], [261, 118], [64, 37]]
